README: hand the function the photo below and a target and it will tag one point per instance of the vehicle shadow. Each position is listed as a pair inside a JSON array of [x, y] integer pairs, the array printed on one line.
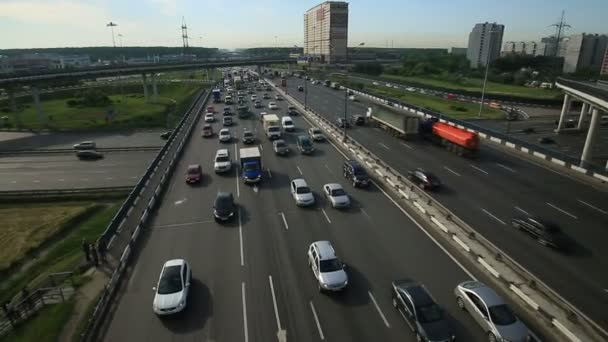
[[574, 248], [356, 293], [461, 332], [198, 310], [279, 180]]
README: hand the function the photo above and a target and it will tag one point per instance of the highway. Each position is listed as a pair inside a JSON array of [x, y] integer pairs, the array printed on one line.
[[251, 281], [65, 171], [487, 192]]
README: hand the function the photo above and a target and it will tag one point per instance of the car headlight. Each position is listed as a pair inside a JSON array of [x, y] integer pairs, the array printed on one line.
[[345, 282], [325, 285]]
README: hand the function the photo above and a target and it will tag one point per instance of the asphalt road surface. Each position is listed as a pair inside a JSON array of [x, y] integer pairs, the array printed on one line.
[[65, 171], [250, 276], [487, 192]]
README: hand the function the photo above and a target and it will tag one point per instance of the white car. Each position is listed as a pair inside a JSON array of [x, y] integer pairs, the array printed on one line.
[[327, 268], [287, 124], [209, 117], [253, 98], [336, 195], [353, 98], [375, 83], [316, 134], [301, 192], [171, 292], [222, 162], [85, 145], [272, 105], [278, 97], [410, 89], [225, 135], [388, 85]]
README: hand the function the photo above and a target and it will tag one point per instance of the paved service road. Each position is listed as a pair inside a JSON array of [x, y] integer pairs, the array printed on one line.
[[65, 171], [251, 277], [487, 192]]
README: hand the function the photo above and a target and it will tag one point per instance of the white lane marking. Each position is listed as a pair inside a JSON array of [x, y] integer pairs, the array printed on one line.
[[326, 217], [134, 177], [274, 302], [61, 180], [506, 167], [241, 239], [371, 296], [13, 182], [478, 169], [269, 173], [36, 181], [178, 202], [452, 171], [314, 313], [328, 169], [406, 145], [301, 174], [84, 179], [109, 178], [523, 211], [99, 171], [284, 220], [261, 148], [244, 312], [365, 213], [492, 216], [593, 207], [238, 190], [170, 225], [561, 210], [386, 147]]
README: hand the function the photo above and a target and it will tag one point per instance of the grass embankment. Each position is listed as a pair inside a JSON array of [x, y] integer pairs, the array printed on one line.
[[64, 255], [475, 85], [46, 326], [129, 112], [199, 74]]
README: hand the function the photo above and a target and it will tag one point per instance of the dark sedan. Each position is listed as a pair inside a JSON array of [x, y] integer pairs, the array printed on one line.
[[223, 207], [424, 179], [546, 233], [89, 155]]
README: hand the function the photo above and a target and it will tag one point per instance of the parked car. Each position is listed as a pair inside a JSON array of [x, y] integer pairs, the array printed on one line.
[[305, 144], [223, 207], [546, 233], [328, 269], [171, 291], [222, 162], [278, 97], [355, 173], [207, 130], [258, 104], [248, 137], [254, 98], [424, 317], [224, 135], [301, 192], [424, 179], [336, 195], [291, 110], [85, 145], [194, 173], [316, 134], [353, 98], [280, 147], [300, 88], [88, 155], [491, 312]]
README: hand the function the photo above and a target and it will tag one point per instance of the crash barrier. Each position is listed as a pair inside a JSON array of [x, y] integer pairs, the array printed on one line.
[[178, 139], [63, 193], [568, 322]]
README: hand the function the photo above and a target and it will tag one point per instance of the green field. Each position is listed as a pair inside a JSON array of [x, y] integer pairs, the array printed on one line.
[[475, 85]]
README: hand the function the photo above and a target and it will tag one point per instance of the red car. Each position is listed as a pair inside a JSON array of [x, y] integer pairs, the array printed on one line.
[[210, 109], [194, 174]]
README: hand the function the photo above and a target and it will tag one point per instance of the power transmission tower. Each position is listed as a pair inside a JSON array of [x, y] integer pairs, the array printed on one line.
[[184, 35], [560, 29]]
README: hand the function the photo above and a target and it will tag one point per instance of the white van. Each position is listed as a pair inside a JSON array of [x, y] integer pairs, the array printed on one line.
[[287, 124]]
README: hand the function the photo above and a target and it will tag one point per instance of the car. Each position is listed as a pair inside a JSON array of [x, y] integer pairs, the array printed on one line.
[[227, 110], [207, 130], [328, 269], [287, 124], [194, 173], [223, 207], [240, 93], [88, 155], [354, 172], [301, 193], [410, 89], [268, 88], [388, 85], [546, 233], [258, 88], [316, 134], [249, 91], [166, 135], [225, 135], [227, 121], [353, 98], [228, 100], [173, 287], [491, 312], [248, 137], [304, 144], [85, 145], [424, 179], [258, 104], [210, 109], [291, 110], [262, 115], [265, 96], [222, 162], [358, 120], [280, 147], [342, 123], [420, 311], [209, 117], [336, 195], [254, 98], [300, 88], [272, 105], [278, 97], [375, 83]]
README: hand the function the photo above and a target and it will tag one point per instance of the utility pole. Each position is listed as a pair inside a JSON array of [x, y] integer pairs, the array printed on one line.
[[485, 78], [560, 28], [111, 25], [184, 35]]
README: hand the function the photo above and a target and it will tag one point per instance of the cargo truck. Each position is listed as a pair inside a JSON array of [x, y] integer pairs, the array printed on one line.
[[272, 126], [399, 124], [251, 164], [217, 96]]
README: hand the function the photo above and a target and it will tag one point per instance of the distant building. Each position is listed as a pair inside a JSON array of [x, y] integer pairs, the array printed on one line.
[[326, 32], [584, 51], [604, 70], [5, 65], [524, 48], [457, 51], [485, 41], [74, 61]]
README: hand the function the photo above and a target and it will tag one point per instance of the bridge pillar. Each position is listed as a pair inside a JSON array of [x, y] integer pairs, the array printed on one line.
[[582, 116], [565, 110], [145, 83], [36, 94], [588, 149], [154, 88]]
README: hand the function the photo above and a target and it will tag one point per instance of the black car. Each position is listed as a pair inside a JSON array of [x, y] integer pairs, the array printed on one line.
[[355, 173], [248, 137], [300, 88], [166, 135], [424, 179], [291, 110], [424, 317], [342, 123], [223, 207], [304, 144], [89, 155], [358, 120], [546, 233]]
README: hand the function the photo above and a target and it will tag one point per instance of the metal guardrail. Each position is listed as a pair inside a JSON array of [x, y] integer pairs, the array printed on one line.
[[60, 192]]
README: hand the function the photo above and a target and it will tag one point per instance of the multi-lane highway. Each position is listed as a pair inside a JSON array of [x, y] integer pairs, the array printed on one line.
[[251, 281], [65, 171], [489, 191]]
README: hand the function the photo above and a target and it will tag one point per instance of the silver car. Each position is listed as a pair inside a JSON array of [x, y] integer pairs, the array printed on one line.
[[171, 292], [491, 312], [326, 266], [301, 192], [336, 195], [316, 134]]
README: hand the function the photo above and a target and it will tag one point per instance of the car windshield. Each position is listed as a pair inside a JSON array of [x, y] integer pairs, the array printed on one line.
[[280, 144], [223, 203], [193, 170], [302, 190], [330, 265], [429, 313], [274, 129], [360, 172], [250, 167], [222, 159], [170, 281], [338, 192], [316, 131], [305, 142], [247, 134], [287, 123], [502, 315]]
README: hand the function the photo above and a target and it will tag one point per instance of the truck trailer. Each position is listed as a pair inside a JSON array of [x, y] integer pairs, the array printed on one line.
[[399, 124], [454, 139], [250, 161]]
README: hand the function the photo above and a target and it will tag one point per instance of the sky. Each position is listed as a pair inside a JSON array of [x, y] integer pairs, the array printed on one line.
[[233, 24]]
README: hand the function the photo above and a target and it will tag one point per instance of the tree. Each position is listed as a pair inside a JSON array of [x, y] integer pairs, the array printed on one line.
[[373, 69]]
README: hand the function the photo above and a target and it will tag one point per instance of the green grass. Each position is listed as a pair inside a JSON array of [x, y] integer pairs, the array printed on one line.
[[475, 85], [46, 326], [64, 256], [192, 74]]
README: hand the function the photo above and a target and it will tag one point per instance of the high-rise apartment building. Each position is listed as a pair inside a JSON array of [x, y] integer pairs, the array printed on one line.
[[604, 70], [584, 51], [485, 41], [524, 48], [326, 32]]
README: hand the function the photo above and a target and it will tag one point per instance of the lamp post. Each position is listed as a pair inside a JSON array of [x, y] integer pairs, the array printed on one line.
[[111, 25], [305, 95], [345, 120], [485, 78]]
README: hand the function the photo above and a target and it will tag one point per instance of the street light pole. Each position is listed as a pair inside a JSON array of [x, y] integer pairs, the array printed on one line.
[[345, 121], [305, 95], [111, 25], [485, 78]]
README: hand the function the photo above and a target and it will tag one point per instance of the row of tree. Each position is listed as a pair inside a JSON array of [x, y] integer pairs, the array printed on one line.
[[108, 52]]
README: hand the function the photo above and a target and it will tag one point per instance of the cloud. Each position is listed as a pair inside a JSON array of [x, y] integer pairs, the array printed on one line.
[[55, 12]]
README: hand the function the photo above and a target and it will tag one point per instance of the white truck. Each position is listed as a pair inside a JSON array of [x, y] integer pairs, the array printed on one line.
[[272, 126]]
